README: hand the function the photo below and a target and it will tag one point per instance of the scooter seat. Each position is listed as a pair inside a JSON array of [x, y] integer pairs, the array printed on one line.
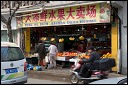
[[94, 70]]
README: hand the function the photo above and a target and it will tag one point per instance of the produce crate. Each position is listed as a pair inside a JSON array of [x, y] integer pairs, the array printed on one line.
[[29, 60], [32, 60]]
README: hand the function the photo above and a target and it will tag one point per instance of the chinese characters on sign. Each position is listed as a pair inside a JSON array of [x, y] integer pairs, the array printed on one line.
[[93, 13], [70, 13], [52, 15], [80, 11]]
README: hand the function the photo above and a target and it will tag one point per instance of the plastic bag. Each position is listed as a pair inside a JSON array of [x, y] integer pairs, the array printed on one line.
[[38, 68], [30, 67], [47, 58]]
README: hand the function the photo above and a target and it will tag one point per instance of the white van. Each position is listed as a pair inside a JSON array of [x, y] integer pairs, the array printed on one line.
[[13, 64]]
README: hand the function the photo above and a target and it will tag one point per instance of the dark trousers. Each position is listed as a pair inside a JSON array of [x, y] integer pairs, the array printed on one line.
[[84, 69]]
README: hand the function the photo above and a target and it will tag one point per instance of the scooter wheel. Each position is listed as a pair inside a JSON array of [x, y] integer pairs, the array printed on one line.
[[102, 77], [85, 82], [74, 79]]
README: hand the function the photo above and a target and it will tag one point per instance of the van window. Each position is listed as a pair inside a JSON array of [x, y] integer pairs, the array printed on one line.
[[11, 54]]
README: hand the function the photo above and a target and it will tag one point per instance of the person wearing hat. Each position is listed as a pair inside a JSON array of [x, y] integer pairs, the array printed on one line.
[[94, 56], [52, 54]]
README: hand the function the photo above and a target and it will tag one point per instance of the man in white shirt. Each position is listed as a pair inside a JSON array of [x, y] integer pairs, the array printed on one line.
[[52, 55]]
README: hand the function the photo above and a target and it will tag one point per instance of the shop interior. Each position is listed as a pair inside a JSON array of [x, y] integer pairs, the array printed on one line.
[[97, 35]]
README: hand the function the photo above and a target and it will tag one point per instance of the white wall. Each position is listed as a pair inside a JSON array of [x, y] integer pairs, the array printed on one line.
[[124, 39], [122, 12], [124, 50], [125, 14]]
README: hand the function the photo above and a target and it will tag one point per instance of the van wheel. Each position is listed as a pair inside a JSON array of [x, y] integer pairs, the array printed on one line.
[[74, 79]]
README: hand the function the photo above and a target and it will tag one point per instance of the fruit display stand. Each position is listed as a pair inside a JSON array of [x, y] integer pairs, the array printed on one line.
[[70, 57], [62, 61], [64, 57]]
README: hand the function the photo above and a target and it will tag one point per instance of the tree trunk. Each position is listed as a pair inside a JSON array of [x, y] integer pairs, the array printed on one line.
[[9, 32]]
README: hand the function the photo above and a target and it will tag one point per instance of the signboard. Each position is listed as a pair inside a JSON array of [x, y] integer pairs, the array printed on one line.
[[84, 14]]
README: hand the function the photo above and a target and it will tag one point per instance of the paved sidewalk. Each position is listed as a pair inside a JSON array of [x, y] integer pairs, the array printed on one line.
[[60, 74]]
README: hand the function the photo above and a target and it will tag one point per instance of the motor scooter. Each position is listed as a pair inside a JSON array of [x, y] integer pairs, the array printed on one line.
[[92, 76]]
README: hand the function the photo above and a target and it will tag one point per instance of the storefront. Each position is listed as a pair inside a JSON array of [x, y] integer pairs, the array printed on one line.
[[90, 24]]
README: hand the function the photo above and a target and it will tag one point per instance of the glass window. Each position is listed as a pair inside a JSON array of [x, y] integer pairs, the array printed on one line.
[[4, 35], [11, 54]]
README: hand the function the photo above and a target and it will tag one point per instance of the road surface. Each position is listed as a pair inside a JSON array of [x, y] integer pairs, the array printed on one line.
[[40, 81]]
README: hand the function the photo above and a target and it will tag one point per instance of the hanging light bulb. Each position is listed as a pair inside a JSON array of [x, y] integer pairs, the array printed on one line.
[[43, 38], [52, 39], [71, 38], [81, 38], [61, 40]]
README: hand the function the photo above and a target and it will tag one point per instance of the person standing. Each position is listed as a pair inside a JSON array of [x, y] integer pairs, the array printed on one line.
[[52, 54], [81, 47], [41, 50]]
